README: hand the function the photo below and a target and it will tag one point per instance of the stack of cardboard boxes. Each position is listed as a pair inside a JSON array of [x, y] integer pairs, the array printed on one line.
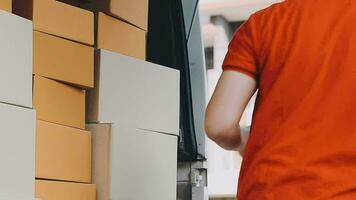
[[63, 67], [86, 60], [17, 118], [133, 110], [120, 25], [134, 119]]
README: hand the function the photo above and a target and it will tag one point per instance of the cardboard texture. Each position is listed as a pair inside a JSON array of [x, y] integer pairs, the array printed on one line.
[[127, 160], [55, 190], [15, 60], [101, 143], [17, 152], [129, 91], [134, 11], [58, 18], [63, 153], [6, 5], [59, 103], [63, 60], [121, 37]]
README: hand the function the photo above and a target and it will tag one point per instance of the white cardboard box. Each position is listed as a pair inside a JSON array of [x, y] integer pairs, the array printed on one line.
[[134, 93], [133, 164], [15, 60], [17, 152]]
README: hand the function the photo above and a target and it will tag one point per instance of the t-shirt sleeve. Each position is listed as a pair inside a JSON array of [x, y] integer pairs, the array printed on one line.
[[241, 55]]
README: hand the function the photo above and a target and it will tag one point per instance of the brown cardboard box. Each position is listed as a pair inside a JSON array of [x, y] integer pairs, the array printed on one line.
[[6, 5], [121, 37], [133, 11], [58, 18], [63, 153], [63, 60], [121, 157], [55, 190], [129, 91], [59, 103], [101, 143]]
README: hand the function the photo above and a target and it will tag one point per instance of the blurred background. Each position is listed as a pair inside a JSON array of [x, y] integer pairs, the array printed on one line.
[[219, 20]]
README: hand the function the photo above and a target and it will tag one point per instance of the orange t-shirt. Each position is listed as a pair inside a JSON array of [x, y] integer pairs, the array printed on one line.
[[302, 144]]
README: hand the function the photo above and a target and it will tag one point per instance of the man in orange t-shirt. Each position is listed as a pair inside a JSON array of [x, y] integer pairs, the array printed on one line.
[[301, 55]]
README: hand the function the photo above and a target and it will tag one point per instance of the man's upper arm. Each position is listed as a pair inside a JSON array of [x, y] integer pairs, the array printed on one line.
[[231, 96], [238, 81]]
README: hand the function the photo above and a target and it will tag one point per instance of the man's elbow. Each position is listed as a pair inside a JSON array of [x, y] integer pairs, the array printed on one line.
[[222, 133], [215, 132]]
